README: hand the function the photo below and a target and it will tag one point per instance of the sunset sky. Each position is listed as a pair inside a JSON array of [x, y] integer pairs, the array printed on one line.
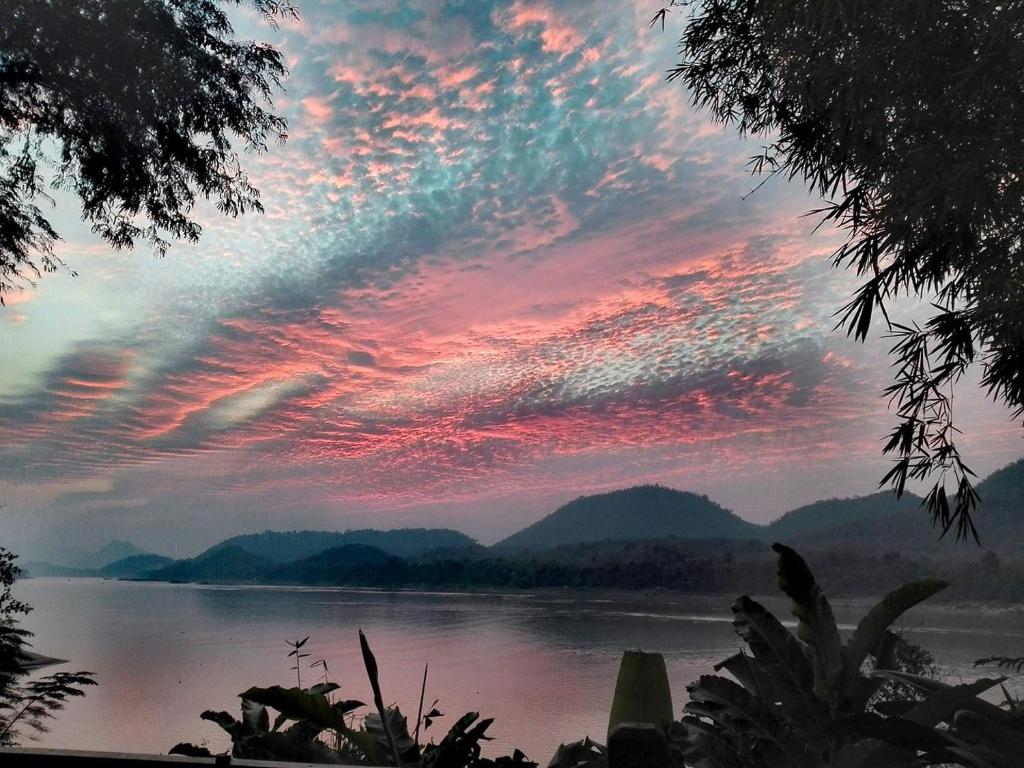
[[502, 264]]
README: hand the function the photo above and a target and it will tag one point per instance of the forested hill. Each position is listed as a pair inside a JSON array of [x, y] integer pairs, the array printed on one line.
[[288, 546], [641, 512], [881, 523], [821, 516], [642, 537]]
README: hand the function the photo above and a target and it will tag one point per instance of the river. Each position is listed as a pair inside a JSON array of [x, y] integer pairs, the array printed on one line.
[[542, 664]]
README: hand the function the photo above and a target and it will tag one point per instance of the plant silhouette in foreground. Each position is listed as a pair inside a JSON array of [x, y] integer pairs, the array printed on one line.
[[807, 700], [311, 726], [26, 705], [790, 699]]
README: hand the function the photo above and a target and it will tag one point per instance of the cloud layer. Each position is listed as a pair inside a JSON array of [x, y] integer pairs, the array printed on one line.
[[502, 264]]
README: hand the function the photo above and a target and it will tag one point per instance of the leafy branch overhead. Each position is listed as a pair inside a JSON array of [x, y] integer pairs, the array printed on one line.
[[906, 118], [140, 119]]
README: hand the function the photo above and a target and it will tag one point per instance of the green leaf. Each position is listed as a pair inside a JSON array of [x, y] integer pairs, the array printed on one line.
[[780, 657], [918, 682], [313, 709], [902, 733], [707, 746], [347, 705], [745, 669], [234, 728], [398, 727], [998, 737], [460, 746], [370, 662], [580, 754], [255, 717], [736, 709], [642, 693], [941, 706], [296, 704], [816, 623], [291, 748], [323, 688], [870, 632]]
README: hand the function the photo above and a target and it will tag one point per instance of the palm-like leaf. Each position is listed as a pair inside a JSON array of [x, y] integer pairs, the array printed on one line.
[[781, 659], [737, 710], [871, 630], [642, 693], [816, 623]]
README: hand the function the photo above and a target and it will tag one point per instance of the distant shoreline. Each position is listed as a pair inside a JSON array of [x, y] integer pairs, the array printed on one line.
[[587, 594]]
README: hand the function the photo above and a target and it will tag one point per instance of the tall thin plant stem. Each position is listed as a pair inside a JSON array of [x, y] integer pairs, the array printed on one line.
[[419, 713], [370, 662]]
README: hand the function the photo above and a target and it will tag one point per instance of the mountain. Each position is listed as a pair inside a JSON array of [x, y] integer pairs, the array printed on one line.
[[881, 523], [347, 564], [223, 563], [58, 560], [819, 518], [113, 551], [284, 547], [134, 566], [1005, 485], [641, 512], [33, 568]]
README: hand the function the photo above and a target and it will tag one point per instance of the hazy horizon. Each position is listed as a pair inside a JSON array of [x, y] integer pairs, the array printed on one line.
[[160, 548], [503, 265]]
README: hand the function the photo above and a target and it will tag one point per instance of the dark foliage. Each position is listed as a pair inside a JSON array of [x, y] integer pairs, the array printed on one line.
[[1015, 663], [26, 705], [286, 546], [908, 120], [807, 699], [692, 567], [136, 106], [312, 727]]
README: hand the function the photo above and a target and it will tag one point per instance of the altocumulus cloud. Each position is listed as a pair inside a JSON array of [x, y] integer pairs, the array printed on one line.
[[500, 255]]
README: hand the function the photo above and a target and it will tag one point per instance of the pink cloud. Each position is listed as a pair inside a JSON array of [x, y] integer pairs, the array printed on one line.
[[557, 35], [318, 108]]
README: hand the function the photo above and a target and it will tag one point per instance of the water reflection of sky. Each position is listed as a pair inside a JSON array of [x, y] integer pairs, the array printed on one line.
[[543, 665]]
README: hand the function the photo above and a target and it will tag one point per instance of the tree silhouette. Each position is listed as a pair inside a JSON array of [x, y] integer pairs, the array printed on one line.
[[137, 108], [907, 118], [26, 704]]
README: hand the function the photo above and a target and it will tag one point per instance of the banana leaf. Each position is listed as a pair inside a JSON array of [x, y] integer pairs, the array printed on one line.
[[642, 693], [315, 709], [736, 709], [871, 630], [816, 623], [780, 657]]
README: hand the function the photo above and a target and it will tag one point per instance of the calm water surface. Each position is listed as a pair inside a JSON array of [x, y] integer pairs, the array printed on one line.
[[543, 665]]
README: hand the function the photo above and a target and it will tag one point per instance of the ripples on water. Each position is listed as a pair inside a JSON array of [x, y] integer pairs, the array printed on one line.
[[543, 665]]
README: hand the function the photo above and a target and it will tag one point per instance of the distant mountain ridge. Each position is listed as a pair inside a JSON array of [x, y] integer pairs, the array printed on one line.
[[220, 563], [288, 546], [586, 534], [637, 513], [876, 521], [827, 514], [133, 567], [57, 557]]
